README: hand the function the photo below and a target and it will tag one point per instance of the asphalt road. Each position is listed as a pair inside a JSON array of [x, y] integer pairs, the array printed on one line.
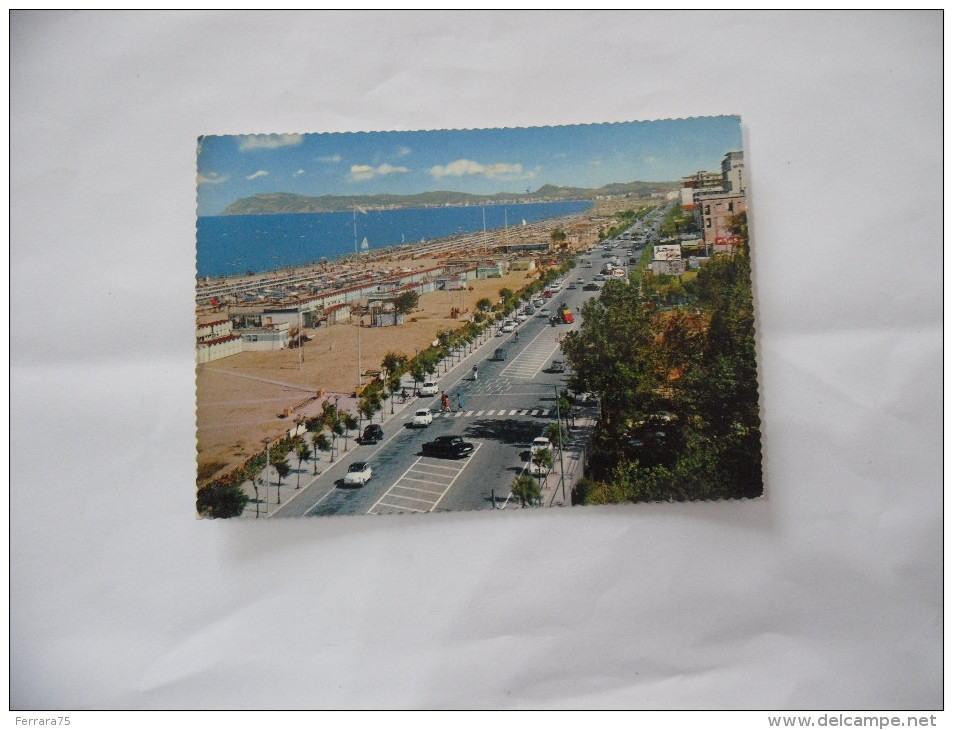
[[512, 402]]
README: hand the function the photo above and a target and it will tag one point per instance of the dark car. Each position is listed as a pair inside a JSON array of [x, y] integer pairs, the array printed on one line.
[[499, 354], [372, 434], [448, 447]]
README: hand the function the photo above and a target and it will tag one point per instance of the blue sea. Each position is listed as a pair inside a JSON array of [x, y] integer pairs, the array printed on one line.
[[236, 244]]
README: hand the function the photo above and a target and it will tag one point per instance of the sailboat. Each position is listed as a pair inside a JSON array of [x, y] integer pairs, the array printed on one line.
[[364, 244]]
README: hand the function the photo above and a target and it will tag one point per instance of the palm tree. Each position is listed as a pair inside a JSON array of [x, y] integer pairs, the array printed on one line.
[[337, 429], [321, 443], [282, 467], [350, 421], [303, 452]]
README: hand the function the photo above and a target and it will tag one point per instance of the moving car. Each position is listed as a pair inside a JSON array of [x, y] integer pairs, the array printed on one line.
[[372, 434], [499, 354], [448, 447], [558, 366], [422, 418], [429, 388], [358, 474], [508, 326]]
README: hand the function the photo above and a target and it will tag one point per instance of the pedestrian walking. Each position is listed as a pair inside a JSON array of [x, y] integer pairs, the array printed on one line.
[[459, 402]]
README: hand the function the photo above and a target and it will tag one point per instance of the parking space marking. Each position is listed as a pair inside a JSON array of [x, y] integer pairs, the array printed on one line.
[[439, 475]]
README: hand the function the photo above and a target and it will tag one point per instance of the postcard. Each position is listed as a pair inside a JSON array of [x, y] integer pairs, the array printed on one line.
[[482, 319]]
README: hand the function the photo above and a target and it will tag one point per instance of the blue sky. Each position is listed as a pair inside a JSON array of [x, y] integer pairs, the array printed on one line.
[[482, 161]]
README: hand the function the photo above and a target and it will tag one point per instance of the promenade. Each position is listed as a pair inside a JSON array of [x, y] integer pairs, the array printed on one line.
[[556, 486]]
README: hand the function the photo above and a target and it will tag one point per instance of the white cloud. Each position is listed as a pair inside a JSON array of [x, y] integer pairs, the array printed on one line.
[[361, 172], [297, 172], [403, 151], [330, 158], [213, 178], [260, 173], [268, 141], [459, 168], [366, 172]]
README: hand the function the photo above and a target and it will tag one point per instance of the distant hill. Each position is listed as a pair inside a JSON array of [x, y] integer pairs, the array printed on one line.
[[266, 203]]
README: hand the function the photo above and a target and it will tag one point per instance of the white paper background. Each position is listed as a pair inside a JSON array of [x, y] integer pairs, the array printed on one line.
[[825, 594]]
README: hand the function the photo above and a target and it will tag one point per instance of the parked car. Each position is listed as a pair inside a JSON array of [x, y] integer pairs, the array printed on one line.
[[358, 474], [422, 418], [448, 447], [372, 434], [539, 443], [429, 388], [508, 326]]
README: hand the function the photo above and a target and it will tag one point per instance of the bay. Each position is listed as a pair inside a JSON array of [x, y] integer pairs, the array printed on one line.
[[237, 244]]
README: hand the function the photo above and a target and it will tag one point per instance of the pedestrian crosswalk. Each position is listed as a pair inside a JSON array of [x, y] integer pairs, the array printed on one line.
[[494, 412]]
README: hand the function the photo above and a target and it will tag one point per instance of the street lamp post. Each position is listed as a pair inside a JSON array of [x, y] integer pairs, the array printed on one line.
[[267, 475]]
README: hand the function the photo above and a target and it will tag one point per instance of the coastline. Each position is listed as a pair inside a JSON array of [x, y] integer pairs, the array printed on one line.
[[244, 398], [496, 232]]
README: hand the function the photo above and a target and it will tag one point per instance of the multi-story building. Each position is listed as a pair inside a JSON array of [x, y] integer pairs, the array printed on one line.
[[733, 173], [715, 210], [701, 181]]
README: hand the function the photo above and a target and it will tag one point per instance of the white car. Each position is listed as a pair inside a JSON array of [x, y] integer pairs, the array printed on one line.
[[508, 326], [539, 443], [358, 474], [544, 312], [429, 388], [422, 417]]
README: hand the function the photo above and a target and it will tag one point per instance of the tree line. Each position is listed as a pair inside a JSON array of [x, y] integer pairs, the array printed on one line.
[[677, 385]]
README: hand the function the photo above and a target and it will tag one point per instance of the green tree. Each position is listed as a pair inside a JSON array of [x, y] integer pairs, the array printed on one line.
[[283, 469], [336, 425], [526, 490], [221, 500], [556, 434], [543, 461], [369, 404], [558, 236], [350, 422], [484, 305], [407, 302], [303, 452], [321, 443], [418, 370]]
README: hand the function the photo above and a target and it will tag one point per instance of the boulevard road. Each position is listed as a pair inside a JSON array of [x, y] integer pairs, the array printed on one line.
[[512, 402]]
